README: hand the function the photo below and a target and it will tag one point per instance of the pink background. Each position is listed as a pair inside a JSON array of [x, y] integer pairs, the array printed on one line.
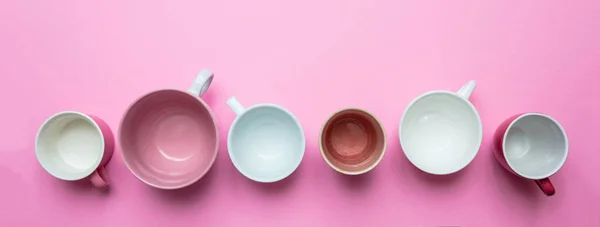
[[312, 57]]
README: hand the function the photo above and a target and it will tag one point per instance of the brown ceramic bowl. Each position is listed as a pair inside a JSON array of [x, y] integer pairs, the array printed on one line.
[[352, 141]]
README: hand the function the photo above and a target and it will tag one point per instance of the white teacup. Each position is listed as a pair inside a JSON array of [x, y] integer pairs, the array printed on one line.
[[266, 142], [440, 131]]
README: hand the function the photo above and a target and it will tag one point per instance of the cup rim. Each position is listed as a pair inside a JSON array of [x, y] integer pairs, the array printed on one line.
[[83, 174], [215, 152], [232, 128], [471, 107], [563, 158], [369, 168]]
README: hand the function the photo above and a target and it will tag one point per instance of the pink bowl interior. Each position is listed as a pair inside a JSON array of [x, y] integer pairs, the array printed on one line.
[[168, 139]]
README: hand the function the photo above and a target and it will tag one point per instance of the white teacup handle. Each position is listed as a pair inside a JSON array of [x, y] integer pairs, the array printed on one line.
[[202, 82], [235, 106], [466, 90]]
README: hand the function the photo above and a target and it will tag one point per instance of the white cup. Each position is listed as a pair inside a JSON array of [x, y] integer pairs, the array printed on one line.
[[440, 131], [74, 146], [266, 142]]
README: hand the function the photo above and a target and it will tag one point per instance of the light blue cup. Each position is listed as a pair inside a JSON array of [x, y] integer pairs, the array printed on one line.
[[266, 142]]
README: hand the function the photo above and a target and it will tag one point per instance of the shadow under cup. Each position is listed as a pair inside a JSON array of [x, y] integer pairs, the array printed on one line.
[[169, 139], [352, 141]]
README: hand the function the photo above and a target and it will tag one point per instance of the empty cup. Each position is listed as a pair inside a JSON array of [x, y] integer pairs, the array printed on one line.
[[533, 146], [440, 131], [74, 146], [170, 138], [352, 141], [266, 142]]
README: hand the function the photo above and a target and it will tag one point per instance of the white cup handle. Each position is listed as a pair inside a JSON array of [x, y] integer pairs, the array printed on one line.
[[235, 106], [201, 83], [466, 90]]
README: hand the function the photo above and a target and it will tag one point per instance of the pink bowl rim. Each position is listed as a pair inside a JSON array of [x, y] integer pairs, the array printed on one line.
[[215, 152]]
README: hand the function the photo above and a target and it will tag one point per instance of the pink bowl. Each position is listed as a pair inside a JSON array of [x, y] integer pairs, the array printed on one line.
[[169, 138]]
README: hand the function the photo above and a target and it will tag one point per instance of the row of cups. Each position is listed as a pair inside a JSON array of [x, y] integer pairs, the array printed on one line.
[[170, 139]]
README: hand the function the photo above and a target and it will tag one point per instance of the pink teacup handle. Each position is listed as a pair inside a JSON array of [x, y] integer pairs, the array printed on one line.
[[546, 186], [99, 178]]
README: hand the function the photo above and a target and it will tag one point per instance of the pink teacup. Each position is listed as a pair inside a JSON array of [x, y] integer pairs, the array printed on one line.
[[170, 138], [75, 146], [533, 146]]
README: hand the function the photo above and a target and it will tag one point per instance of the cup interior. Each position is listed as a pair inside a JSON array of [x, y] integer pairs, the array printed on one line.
[[266, 143], [352, 141], [69, 146], [535, 146], [440, 133], [169, 139]]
